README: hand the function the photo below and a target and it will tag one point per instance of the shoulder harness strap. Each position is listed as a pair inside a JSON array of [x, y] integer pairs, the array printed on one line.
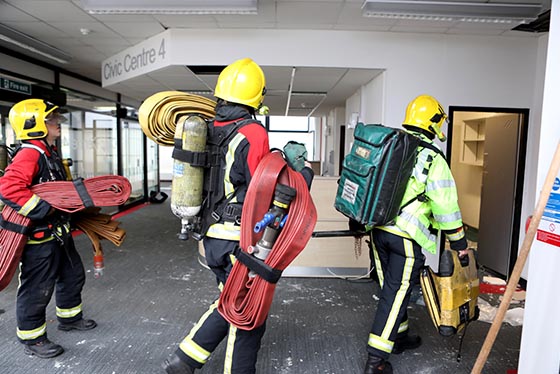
[[215, 201], [422, 196], [33, 146]]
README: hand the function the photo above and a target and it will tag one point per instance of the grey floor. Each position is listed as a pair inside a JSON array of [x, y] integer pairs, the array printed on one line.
[[154, 290]]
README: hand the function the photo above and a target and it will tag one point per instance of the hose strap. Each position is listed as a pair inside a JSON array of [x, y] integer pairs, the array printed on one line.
[[10, 226], [83, 193], [266, 272]]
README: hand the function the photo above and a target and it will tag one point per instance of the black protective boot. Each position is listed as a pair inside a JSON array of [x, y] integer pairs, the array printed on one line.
[[80, 325], [44, 349], [174, 365], [377, 365], [405, 343]]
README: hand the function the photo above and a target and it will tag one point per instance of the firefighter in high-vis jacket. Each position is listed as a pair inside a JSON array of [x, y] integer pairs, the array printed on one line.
[[49, 262], [397, 248], [240, 90]]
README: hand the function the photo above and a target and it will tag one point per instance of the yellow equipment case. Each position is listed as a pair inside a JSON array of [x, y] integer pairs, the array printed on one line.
[[451, 294]]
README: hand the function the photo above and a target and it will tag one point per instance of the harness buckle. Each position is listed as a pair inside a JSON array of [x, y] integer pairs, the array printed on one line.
[[215, 216]]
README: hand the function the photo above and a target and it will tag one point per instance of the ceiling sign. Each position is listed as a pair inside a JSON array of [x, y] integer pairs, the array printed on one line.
[[149, 55]]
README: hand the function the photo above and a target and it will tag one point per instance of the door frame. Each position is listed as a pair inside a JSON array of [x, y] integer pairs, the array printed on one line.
[[520, 170]]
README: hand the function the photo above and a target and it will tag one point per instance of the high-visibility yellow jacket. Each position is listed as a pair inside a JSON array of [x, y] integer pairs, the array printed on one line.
[[434, 206]]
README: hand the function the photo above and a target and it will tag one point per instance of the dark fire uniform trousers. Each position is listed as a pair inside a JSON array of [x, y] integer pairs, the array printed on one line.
[[398, 263], [44, 267], [242, 346]]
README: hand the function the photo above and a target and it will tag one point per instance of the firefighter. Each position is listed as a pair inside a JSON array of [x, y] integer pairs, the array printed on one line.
[[49, 258], [397, 248], [240, 90]]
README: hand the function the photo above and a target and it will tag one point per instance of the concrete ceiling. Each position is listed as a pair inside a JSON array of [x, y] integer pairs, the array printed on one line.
[[90, 39]]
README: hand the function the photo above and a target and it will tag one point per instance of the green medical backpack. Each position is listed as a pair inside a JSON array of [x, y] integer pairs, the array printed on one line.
[[375, 173]]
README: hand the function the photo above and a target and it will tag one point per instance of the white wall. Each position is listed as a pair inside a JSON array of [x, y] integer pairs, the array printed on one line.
[[540, 340], [373, 101], [471, 70]]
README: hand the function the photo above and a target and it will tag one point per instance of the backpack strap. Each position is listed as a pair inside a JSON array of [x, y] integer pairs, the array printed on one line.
[[215, 202], [422, 196]]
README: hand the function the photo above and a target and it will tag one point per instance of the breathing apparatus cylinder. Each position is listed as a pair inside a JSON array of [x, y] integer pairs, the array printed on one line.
[[272, 222], [188, 181]]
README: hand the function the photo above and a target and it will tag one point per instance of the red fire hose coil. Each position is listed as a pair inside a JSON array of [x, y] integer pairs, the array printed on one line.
[[245, 301], [108, 190]]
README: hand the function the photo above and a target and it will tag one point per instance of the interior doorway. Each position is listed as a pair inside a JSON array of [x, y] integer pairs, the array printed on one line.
[[486, 151]]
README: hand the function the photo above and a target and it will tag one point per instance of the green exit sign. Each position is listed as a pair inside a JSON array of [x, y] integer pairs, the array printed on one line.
[[11, 85]]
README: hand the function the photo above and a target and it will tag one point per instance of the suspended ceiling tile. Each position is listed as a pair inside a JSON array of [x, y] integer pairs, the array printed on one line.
[[72, 28], [300, 112], [13, 14], [124, 18], [277, 78], [266, 15], [350, 16], [139, 29], [306, 13], [38, 30], [186, 21], [52, 10], [316, 79]]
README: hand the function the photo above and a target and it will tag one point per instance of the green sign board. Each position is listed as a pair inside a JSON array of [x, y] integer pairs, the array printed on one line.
[[10, 85]]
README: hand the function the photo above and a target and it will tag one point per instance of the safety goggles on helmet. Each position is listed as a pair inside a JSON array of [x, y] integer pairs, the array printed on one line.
[[56, 117]]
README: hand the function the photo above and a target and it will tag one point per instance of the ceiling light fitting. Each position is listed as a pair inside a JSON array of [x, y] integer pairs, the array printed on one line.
[[193, 7], [28, 43], [451, 11]]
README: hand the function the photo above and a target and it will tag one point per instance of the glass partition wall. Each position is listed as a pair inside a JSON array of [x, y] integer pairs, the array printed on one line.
[[101, 138], [132, 146]]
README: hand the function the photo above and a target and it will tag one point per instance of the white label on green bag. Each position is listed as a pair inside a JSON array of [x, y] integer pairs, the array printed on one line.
[[349, 191]]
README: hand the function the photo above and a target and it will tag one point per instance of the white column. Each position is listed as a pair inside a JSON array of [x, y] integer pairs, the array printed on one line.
[[540, 339]]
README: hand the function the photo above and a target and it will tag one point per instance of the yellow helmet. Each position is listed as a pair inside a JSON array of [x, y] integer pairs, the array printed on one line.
[[28, 118], [426, 113], [242, 82]]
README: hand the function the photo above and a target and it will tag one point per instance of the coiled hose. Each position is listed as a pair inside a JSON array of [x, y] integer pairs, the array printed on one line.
[[245, 299], [160, 113], [108, 190]]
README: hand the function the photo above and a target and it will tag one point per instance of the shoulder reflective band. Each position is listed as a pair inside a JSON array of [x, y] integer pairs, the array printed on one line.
[[82, 192]]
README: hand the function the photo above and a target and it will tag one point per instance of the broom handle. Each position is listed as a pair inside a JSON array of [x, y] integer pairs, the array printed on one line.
[[519, 263]]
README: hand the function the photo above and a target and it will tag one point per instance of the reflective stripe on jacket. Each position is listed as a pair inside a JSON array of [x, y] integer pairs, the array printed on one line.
[[422, 218]]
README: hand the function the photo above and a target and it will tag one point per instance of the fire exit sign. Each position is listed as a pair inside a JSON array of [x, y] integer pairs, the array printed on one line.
[[11, 85]]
